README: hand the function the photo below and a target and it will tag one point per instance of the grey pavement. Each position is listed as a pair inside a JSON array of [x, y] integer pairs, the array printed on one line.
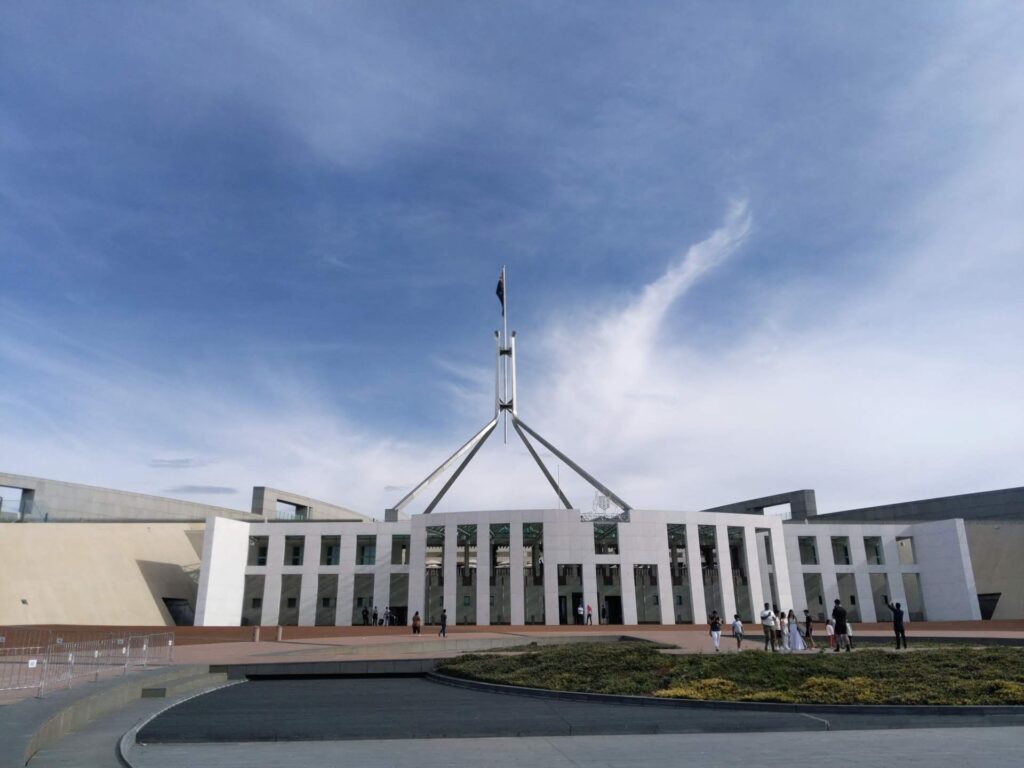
[[925, 748], [416, 708]]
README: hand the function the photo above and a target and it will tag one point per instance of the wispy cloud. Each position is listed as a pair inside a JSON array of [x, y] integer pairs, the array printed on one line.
[[177, 463]]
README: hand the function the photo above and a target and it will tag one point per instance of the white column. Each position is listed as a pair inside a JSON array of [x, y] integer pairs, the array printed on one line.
[[627, 577], [417, 570], [308, 587], [451, 554], [780, 564], [382, 573], [753, 564], [590, 590], [700, 611], [346, 579], [725, 571], [859, 561], [272, 582], [483, 574], [550, 587], [515, 573]]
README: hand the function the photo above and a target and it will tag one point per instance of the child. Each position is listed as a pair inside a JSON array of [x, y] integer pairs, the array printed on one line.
[[830, 632], [849, 636], [737, 631]]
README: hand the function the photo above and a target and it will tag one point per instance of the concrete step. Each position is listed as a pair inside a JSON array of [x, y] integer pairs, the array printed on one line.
[[184, 685]]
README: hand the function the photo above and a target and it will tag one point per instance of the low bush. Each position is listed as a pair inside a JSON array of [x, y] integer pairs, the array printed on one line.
[[947, 675]]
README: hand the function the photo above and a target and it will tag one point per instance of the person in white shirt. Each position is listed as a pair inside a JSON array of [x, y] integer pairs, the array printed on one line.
[[768, 625], [737, 631]]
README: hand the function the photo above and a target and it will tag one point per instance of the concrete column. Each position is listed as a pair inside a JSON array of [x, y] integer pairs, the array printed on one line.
[[451, 554], [382, 573], [725, 570], [515, 573], [781, 564], [700, 613], [628, 578], [590, 590], [417, 570], [346, 579], [272, 582], [666, 599], [308, 588], [483, 574], [859, 561], [550, 588], [753, 558]]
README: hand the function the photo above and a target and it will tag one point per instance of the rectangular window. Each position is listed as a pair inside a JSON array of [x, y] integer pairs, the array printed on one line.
[[252, 600], [606, 538], [291, 588], [330, 550], [808, 550], [841, 550], [257, 550], [366, 550], [905, 548], [327, 594], [399, 550], [873, 550], [500, 576], [293, 549]]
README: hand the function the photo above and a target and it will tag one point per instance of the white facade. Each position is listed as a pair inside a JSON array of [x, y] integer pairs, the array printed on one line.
[[311, 572]]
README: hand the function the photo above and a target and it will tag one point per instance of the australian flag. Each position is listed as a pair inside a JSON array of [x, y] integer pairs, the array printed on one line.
[[501, 292]]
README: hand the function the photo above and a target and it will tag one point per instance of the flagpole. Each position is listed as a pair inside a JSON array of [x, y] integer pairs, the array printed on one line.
[[504, 367]]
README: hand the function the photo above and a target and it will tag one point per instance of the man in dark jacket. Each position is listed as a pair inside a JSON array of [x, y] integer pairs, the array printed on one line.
[[897, 623], [842, 631]]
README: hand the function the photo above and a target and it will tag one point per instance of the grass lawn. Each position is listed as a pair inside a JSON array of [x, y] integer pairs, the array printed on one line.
[[948, 675]]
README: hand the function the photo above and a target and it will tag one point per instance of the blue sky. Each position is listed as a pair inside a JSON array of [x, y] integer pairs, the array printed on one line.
[[246, 245]]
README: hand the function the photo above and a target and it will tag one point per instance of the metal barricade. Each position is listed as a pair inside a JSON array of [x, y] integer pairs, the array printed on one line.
[[61, 663]]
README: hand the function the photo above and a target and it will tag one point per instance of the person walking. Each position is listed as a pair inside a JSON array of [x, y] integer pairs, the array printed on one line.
[[768, 627], [416, 623], [809, 630], [839, 617], [897, 622], [796, 643], [716, 629], [443, 632], [737, 631], [590, 614], [579, 614]]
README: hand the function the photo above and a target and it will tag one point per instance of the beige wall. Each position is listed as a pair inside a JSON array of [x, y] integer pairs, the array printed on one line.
[[997, 556], [97, 573]]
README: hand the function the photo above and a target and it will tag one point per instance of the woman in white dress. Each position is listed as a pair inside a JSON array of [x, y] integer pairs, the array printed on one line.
[[784, 628], [796, 643]]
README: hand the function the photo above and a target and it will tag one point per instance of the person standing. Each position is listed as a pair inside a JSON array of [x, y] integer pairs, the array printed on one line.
[[579, 614], [849, 634], [716, 629], [897, 622], [590, 614], [375, 615], [768, 626], [737, 631], [830, 633], [784, 630], [443, 632], [366, 616], [839, 617], [796, 643], [416, 623], [387, 615], [808, 630], [779, 634]]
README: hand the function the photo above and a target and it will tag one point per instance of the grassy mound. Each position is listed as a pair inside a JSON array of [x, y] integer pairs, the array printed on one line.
[[949, 675]]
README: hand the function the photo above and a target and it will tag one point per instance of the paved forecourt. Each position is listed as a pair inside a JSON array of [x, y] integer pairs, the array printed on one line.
[[925, 748]]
